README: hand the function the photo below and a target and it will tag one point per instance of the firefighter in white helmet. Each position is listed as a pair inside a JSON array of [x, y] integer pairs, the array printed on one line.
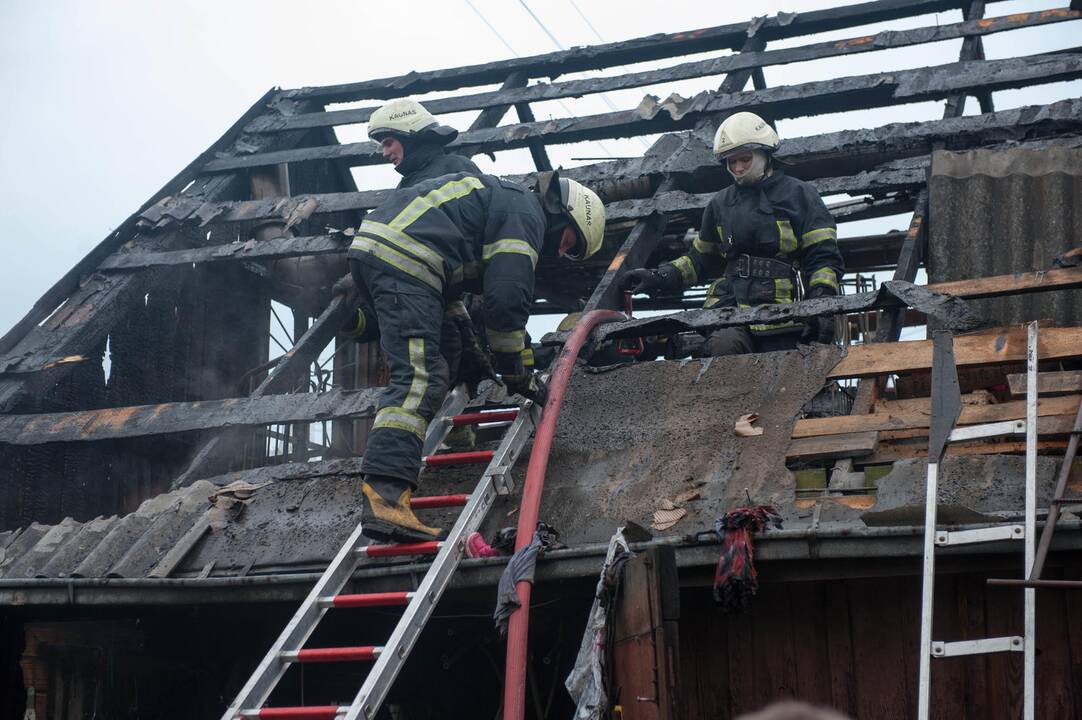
[[760, 237], [413, 140], [418, 252]]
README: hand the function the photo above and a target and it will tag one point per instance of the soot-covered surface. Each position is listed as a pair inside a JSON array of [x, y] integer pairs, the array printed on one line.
[[631, 438]]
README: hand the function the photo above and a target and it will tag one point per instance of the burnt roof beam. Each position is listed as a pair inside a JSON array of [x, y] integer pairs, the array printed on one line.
[[885, 40], [812, 98], [607, 55]]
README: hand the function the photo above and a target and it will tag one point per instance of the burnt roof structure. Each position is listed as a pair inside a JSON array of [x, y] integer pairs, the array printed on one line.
[[154, 450]]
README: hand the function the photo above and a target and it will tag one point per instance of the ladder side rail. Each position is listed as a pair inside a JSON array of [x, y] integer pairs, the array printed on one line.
[[1030, 604], [270, 670], [387, 666]]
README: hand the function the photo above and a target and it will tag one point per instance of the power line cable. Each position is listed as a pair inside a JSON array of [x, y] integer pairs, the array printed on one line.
[[513, 52], [604, 97]]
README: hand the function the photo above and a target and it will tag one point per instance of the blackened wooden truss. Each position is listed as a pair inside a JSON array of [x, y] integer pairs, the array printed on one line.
[[165, 292]]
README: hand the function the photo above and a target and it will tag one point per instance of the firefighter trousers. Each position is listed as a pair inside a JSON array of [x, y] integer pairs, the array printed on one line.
[[412, 326]]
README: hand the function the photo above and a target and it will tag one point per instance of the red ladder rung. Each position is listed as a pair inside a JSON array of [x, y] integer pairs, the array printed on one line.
[[333, 654], [312, 712], [422, 548], [367, 600], [438, 501], [460, 458], [475, 418]]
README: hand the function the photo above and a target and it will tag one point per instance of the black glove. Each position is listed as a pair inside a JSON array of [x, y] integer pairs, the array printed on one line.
[[529, 385], [644, 280], [819, 330], [344, 285], [474, 367]]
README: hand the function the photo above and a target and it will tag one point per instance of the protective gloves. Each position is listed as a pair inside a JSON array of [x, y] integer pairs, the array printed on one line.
[[644, 280]]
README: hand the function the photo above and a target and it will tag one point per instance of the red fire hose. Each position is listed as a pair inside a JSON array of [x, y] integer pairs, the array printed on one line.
[[514, 689]]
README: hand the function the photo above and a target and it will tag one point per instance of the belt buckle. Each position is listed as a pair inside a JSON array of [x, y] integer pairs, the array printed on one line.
[[743, 266]]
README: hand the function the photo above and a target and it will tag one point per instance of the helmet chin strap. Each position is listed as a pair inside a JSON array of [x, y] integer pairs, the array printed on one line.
[[756, 172]]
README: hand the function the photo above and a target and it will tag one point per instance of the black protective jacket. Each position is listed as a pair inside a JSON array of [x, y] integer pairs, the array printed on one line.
[[462, 233], [782, 220], [427, 160]]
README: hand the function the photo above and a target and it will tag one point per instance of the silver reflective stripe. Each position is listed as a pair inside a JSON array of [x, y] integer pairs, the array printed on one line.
[[518, 247], [404, 242], [824, 276], [396, 418], [813, 237], [400, 261]]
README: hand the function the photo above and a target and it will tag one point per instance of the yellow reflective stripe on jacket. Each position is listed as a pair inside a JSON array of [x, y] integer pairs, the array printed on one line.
[[706, 247], [420, 205], [813, 237], [518, 247], [527, 358], [513, 341], [786, 239], [419, 384], [824, 276], [687, 270], [397, 260], [711, 302], [404, 242], [396, 418]]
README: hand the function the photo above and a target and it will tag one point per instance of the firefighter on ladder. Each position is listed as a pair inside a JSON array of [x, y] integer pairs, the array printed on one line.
[[754, 235], [413, 141], [417, 253]]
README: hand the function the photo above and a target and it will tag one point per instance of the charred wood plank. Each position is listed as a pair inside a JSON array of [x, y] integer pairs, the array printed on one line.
[[145, 420], [636, 250], [812, 98], [745, 62], [910, 257], [537, 147], [951, 311], [972, 49], [653, 47], [807, 157], [492, 114], [276, 249]]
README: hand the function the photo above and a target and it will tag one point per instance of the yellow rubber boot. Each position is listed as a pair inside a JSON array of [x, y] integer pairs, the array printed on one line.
[[393, 520]]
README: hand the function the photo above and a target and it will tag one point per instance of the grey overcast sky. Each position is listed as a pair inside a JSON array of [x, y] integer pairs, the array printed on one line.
[[108, 100]]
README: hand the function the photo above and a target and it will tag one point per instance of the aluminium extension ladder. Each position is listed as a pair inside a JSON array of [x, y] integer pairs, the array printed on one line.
[[946, 408], [419, 604]]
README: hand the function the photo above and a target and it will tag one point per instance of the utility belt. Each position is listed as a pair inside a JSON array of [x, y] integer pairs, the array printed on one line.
[[750, 266]]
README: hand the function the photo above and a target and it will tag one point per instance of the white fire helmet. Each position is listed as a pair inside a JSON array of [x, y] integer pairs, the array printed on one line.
[[407, 118], [744, 131]]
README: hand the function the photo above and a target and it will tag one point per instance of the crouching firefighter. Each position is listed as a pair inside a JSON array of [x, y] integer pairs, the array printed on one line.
[[413, 256], [755, 235]]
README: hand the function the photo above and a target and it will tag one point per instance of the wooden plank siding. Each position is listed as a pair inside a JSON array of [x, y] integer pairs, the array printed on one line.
[[851, 644]]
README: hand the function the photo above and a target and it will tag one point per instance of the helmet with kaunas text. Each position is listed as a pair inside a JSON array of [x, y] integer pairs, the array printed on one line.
[[587, 212], [405, 118], [744, 131]]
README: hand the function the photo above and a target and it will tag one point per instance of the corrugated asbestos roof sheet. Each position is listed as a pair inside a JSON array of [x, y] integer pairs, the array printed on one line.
[[621, 450], [996, 212]]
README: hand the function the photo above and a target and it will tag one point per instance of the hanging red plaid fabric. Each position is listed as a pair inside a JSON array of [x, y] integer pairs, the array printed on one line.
[[735, 578]]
